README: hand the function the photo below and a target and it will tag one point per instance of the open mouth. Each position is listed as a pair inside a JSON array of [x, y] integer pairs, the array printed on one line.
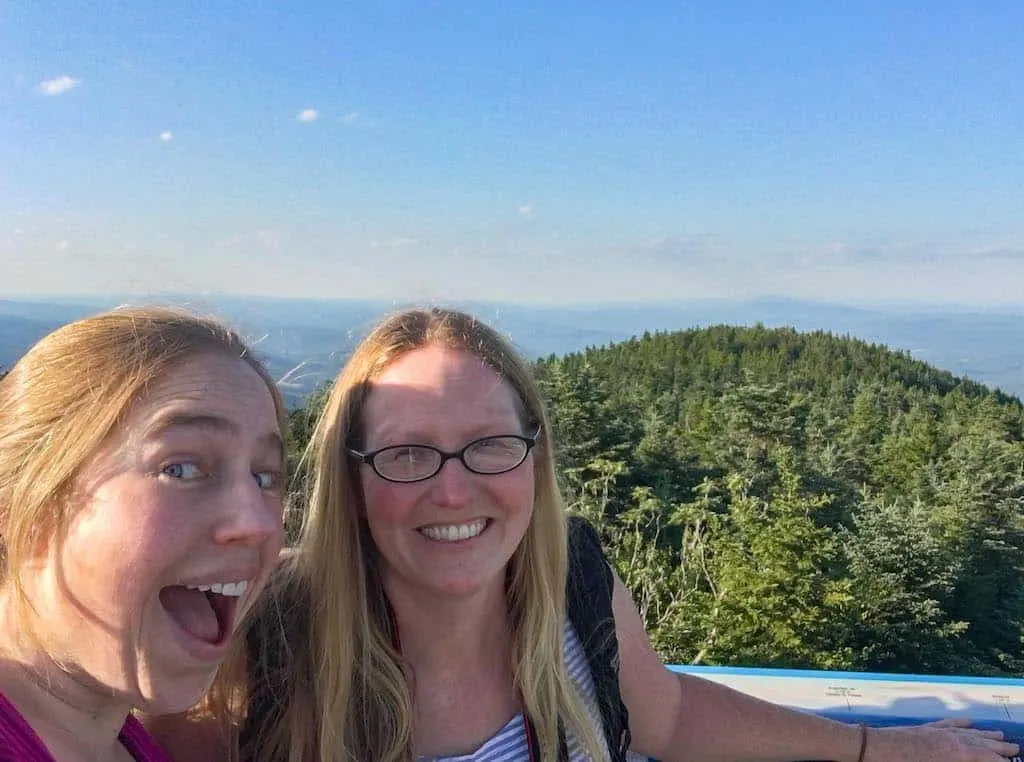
[[203, 614]]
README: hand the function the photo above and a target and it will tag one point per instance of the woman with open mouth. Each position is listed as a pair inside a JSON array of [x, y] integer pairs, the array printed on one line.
[[141, 462]]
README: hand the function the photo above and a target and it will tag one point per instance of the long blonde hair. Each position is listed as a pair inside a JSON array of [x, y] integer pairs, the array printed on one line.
[[347, 697], [64, 397]]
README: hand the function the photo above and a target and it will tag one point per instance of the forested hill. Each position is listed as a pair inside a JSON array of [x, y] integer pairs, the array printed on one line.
[[672, 361], [789, 499]]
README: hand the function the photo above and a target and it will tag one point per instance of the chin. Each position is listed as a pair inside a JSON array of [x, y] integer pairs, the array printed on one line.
[[174, 699], [461, 588]]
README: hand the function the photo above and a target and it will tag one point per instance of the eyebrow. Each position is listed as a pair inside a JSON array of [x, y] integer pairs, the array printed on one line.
[[419, 436], [180, 419]]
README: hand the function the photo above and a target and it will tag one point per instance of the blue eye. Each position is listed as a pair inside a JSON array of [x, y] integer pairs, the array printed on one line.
[[267, 479], [184, 471]]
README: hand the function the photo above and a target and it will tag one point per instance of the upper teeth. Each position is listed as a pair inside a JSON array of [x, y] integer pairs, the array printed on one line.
[[454, 532], [233, 589]]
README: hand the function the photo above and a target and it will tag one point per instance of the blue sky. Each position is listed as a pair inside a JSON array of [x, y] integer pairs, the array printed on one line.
[[534, 152]]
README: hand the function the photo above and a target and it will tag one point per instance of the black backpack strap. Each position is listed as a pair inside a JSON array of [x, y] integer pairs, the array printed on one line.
[[589, 587]]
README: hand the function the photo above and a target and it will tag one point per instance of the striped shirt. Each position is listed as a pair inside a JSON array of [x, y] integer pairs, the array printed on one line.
[[509, 743]]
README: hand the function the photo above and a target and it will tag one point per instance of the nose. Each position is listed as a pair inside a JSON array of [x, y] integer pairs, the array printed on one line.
[[249, 515], [452, 485]]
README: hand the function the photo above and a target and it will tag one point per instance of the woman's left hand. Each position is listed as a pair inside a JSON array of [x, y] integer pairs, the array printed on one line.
[[952, 740]]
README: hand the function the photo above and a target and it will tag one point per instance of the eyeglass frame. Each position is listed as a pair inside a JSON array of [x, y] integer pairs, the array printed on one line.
[[367, 458]]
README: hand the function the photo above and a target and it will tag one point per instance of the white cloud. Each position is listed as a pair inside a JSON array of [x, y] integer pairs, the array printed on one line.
[[308, 115], [526, 210], [58, 85], [62, 246], [350, 118], [394, 243], [166, 137], [925, 251]]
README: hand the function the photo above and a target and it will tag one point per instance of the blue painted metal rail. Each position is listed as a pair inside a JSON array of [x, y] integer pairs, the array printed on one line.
[[881, 699]]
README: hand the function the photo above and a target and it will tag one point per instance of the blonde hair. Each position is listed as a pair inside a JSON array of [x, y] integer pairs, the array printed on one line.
[[347, 697], [65, 397]]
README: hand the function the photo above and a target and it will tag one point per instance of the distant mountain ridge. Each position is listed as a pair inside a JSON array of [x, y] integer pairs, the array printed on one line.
[[305, 342]]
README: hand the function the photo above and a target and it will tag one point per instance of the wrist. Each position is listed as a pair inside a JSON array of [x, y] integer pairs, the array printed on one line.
[[861, 747]]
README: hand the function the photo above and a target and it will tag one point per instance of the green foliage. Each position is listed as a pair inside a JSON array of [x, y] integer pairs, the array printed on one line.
[[301, 423], [780, 598], [800, 500]]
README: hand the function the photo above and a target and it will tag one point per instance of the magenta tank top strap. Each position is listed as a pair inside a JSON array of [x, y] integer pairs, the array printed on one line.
[[18, 741], [140, 743]]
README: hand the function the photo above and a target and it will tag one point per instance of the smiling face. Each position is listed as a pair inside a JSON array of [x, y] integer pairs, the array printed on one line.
[[177, 523], [454, 533]]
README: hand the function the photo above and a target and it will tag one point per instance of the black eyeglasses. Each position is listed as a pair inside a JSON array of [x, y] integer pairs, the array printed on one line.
[[415, 463]]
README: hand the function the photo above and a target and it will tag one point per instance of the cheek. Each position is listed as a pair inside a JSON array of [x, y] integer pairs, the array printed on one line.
[[519, 490], [386, 504], [105, 572], [114, 547]]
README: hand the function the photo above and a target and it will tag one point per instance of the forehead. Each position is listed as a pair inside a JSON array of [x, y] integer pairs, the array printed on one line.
[[207, 385], [435, 379]]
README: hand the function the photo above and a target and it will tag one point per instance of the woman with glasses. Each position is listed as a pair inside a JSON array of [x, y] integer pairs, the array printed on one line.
[[435, 606]]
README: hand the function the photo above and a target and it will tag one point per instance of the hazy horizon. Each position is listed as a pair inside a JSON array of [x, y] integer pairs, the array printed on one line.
[[867, 304], [979, 342]]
